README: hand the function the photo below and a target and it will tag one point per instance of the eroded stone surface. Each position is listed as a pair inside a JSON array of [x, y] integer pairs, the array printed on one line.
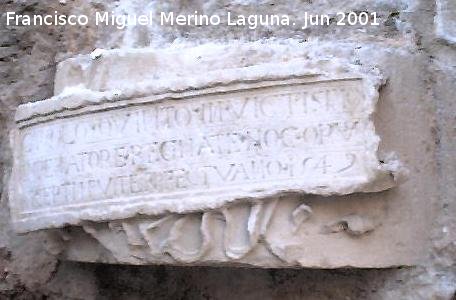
[[260, 134], [218, 167], [404, 120], [446, 20]]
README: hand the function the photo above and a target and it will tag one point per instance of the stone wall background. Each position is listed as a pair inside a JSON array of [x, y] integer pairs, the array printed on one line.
[[28, 57]]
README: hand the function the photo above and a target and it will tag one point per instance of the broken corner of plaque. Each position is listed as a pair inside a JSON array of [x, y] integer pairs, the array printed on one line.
[[189, 129]]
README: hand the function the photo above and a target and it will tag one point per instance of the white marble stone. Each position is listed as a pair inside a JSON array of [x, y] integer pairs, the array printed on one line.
[[194, 149], [257, 154], [446, 20]]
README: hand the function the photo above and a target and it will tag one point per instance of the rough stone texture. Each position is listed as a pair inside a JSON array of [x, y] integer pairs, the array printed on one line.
[[193, 142], [27, 66], [446, 20], [201, 227]]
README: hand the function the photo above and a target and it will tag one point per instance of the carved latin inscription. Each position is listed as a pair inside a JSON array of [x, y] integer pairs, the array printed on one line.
[[195, 152]]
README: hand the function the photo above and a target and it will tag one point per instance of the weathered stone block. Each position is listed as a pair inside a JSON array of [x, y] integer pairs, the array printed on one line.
[[196, 148], [212, 154]]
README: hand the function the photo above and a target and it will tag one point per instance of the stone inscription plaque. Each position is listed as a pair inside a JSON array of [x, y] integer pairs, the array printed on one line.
[[193, 152]]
